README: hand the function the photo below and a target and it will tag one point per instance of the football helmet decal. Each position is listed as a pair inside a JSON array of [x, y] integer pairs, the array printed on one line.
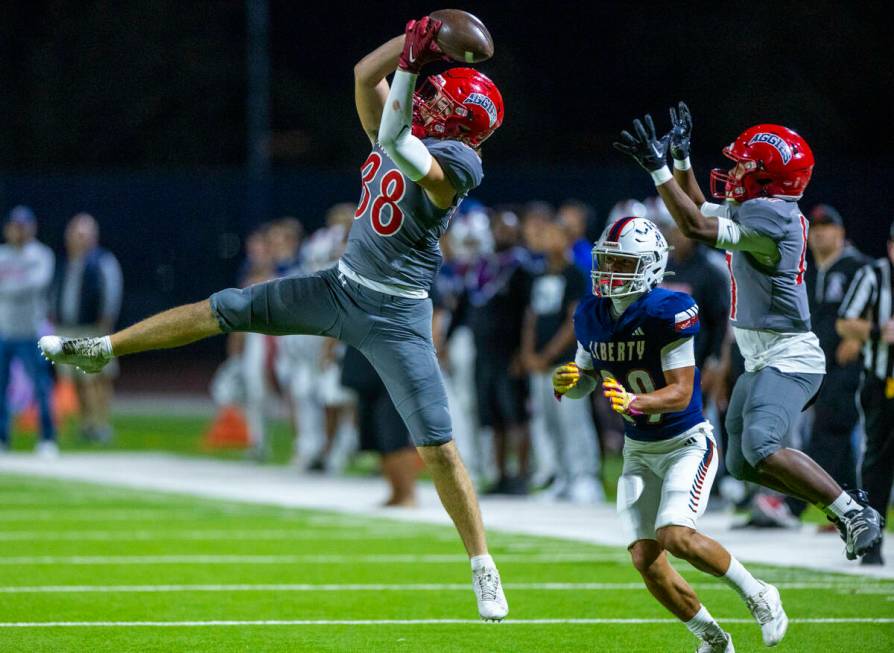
[[629, 258], [771, 161], [460, 103]]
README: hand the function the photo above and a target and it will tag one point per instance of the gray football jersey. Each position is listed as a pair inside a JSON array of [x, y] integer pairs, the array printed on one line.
[[394, 238], [773, 298]]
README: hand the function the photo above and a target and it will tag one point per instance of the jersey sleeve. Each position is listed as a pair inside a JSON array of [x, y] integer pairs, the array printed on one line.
[[677, 317], [582, 358], [460, 164], [757, 229]]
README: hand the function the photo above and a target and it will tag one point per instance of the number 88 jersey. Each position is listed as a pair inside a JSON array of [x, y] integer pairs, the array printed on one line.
[[636, 348], [394, 238]]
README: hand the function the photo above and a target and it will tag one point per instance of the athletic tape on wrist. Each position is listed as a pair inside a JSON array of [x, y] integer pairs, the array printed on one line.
[[661, 176], [682, 164]]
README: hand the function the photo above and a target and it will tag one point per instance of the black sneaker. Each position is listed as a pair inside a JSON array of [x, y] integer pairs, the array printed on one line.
[[861, 497], [864, 530], [873, 556]]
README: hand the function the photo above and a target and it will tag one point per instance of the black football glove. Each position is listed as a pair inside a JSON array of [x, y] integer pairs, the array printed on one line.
[[681, 131], [645, 148]]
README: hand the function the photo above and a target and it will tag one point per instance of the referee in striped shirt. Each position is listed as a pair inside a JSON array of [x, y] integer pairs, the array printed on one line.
[[867, 316]]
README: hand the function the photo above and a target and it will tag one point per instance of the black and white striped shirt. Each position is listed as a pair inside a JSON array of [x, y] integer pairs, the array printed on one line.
[[869, 298]]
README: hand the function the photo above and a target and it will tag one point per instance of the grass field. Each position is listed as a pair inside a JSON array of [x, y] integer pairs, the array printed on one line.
[[172, 573]]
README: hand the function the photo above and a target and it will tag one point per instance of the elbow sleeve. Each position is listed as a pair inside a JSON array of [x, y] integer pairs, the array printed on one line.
[[395, 130]]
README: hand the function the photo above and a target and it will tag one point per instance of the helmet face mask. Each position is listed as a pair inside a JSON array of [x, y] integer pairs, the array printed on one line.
[[461, 104], [629, 258], [771, 161]]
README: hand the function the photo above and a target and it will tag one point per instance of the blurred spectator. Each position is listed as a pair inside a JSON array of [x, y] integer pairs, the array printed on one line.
[[309, 367], [258, 262], [535, 215], [382, 429], [85, 302], [500, 287], [577, 219], [467, 239], [866, 316], [26, 271], [564, 438], [245, 377], [625, 208], [284, 237]]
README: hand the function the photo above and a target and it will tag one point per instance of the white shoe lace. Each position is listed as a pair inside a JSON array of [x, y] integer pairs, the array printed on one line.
[[86, 347], [487, 581], [713, 645], [760, 607]]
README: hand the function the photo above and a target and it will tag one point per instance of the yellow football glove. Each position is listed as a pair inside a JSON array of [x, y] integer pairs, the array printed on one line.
[[564, 378], [622, 401]]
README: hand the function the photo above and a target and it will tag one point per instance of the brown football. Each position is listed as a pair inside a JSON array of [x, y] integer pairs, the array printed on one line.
[[463, 37]]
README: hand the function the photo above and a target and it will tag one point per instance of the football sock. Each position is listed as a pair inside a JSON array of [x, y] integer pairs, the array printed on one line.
[[482, 561], [741, 580], [703, 626], [105, 344], [842, 505]]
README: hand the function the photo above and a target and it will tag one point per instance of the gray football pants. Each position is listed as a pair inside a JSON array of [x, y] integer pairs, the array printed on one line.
[[393, 332], [764, 406]]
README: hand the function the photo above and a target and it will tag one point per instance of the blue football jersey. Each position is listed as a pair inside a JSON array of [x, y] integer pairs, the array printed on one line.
[[629, 349]]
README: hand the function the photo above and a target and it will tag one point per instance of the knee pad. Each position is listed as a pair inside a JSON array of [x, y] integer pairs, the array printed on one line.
[[430, 426]]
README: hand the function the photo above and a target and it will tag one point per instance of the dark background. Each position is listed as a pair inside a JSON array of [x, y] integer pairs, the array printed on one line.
[[136, 111]]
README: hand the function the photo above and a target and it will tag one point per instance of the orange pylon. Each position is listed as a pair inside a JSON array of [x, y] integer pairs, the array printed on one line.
[[228, 431]]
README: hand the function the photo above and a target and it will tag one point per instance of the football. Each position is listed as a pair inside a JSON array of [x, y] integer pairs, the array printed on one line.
[[463, 37]]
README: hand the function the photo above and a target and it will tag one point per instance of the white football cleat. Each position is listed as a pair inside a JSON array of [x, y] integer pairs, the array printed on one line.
[[766, 606], [717, 645], [87, 354], [492, 605]]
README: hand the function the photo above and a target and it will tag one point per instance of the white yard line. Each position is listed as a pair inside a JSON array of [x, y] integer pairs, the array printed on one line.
[[199, 559], [401, 622], [217, 535], [359, 501], [850, 588]]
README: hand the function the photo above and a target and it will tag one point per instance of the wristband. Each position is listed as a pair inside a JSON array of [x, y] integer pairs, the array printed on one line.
[[682, 164], [661, 176], [875, 332]]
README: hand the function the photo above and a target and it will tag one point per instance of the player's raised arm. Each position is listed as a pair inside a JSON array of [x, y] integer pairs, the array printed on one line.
[[650, 152], [396, 127], [680, 148], [371, 85]]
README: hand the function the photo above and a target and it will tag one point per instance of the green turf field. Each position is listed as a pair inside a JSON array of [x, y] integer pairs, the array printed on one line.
[[75, 553]]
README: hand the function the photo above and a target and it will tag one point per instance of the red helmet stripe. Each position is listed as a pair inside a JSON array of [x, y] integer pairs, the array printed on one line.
[[617, 228]]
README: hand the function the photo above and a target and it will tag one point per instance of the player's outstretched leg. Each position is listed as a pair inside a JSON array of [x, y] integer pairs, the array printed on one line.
[[457, 494], [762, 409], [860, 524], [172, 328], [709, 556], [675, 594]]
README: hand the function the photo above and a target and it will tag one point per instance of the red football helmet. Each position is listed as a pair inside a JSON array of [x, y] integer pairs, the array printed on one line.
[[773, 161], [460, 103]]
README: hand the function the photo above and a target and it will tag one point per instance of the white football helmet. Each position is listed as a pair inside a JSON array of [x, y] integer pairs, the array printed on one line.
[[629, 258]]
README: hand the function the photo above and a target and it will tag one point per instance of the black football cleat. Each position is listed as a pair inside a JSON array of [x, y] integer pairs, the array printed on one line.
[[865, 527], [861, 497]]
